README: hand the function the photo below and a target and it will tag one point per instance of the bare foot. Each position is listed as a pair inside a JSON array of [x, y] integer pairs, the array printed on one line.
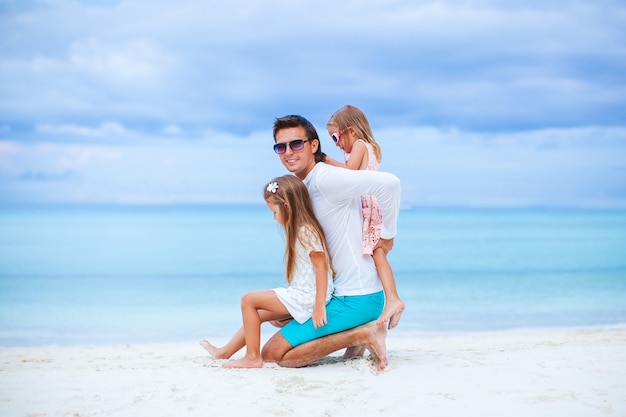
[[354, 352], [375, 343], [245, 362], [214, 351], [391, 313]]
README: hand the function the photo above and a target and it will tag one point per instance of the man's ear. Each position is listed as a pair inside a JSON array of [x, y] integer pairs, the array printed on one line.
[[315, 144]]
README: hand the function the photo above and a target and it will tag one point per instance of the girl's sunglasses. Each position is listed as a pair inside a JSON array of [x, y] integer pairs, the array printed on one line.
[[295, 145], [337, 135]]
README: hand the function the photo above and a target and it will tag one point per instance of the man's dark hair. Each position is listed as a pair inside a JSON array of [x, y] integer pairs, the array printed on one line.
[[290, 121]]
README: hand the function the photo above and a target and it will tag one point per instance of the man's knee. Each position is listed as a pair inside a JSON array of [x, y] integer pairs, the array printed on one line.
[[275, 348]]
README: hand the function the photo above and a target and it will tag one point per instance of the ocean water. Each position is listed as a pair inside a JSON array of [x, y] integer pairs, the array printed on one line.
[[100, 275]]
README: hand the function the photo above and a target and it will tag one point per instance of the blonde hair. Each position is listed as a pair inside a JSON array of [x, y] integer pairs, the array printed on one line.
[[350, 115], [292, 198]]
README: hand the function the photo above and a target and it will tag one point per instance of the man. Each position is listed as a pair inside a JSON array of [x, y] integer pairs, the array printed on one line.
[[358, 299]]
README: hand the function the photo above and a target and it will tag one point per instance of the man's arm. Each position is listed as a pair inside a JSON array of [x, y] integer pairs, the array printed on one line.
[[344, 184]]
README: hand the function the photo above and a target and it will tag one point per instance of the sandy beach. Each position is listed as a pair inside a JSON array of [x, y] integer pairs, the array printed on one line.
[[543, 372]]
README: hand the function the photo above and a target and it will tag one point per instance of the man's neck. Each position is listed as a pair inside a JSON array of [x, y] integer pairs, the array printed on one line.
[[303, 175]]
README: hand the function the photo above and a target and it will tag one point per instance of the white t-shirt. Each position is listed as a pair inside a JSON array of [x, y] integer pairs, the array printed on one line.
[[335, 193]]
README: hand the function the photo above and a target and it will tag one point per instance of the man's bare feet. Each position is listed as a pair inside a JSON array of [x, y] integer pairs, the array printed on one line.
[[214, 351], [375, 342], [245, 362], [391, 313], [354, 352]]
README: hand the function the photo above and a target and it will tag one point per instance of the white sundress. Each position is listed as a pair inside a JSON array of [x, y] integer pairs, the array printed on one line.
[[299, 296]]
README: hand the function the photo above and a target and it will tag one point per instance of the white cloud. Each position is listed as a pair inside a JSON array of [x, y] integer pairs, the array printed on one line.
[[141, 100], [134, 61], [105, 129], [233, 65], [566, 167]]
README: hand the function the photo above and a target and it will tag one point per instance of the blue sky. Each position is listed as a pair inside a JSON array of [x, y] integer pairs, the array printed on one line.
[[484, 103]]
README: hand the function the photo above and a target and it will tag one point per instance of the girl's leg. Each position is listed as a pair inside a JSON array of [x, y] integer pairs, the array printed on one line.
[[394, 306], [229, 349], [238, 340], [252, 306]]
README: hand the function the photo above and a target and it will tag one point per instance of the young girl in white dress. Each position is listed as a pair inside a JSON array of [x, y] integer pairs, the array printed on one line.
[[309, 274]]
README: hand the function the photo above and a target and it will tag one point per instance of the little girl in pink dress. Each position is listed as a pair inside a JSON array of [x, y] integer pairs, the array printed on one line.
[[370, 210], [351, 132]]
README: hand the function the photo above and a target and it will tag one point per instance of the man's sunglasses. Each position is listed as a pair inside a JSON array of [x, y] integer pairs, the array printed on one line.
[[295, 145], [337, 135]]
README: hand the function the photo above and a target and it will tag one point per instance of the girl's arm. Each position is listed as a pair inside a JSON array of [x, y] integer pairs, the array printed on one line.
[[358, 156], [357, 160], [341, 186], [331, 161], [321, 285]]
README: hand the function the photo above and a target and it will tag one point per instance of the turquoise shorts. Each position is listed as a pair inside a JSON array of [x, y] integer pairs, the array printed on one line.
[[342, 312]]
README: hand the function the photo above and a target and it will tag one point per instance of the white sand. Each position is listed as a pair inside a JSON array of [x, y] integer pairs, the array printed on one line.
[[534, 373]]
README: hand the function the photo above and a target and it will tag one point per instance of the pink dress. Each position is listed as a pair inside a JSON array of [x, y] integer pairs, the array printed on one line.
[[370, 210]]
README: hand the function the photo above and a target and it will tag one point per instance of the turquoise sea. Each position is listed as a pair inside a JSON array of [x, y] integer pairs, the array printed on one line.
[[100, 275]]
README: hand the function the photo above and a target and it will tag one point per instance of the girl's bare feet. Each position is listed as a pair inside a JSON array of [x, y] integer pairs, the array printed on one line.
[[245, 362], [214, 351], [391, 313]]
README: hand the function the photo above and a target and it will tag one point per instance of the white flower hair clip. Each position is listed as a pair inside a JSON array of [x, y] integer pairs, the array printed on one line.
[[272, 187]]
